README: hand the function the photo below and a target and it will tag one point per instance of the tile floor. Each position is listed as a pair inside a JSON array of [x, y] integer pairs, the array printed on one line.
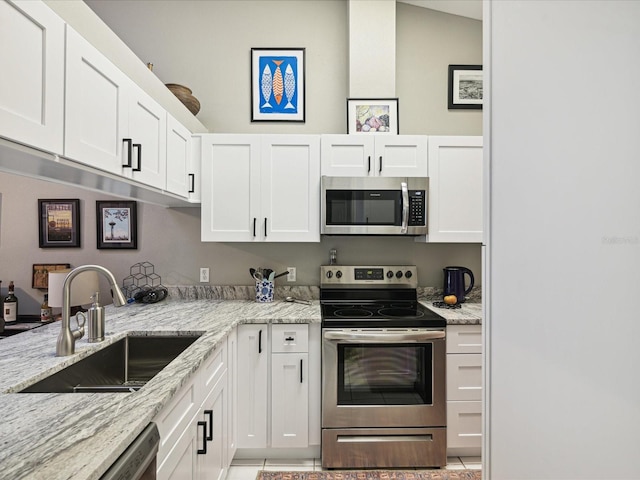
[[247, 469]]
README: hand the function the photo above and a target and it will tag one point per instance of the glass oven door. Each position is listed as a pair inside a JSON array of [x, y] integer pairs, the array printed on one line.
[[383, 378]]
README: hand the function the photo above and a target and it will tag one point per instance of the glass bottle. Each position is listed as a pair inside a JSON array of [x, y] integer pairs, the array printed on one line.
[[45, 309], [10, 306]]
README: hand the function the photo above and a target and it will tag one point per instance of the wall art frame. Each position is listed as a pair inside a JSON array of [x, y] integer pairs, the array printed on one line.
[[465, 87], [373, 116], [117, 224], [59, 223], [278, 85], [40, 273]]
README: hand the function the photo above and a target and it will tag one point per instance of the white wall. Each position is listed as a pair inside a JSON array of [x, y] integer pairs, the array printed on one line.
[[562, 330]]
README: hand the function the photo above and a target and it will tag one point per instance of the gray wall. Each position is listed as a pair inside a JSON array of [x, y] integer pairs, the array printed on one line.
[[205, 45]]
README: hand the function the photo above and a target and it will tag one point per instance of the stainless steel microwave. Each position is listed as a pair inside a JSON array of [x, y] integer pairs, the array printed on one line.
[[374, 205]]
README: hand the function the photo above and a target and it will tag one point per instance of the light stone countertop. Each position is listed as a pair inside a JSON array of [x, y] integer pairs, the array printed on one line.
[[79, 436]]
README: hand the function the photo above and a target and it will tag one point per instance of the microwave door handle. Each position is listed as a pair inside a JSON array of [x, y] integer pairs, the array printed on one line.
[[405, 207]]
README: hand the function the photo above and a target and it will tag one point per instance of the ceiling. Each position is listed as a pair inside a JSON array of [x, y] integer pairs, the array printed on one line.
[[463, 8]]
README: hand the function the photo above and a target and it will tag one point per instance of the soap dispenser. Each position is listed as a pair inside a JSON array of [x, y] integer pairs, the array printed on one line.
[[96, 320]]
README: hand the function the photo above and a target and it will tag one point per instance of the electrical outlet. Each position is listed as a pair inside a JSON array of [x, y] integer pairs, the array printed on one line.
[[292, 274], [204, 274]]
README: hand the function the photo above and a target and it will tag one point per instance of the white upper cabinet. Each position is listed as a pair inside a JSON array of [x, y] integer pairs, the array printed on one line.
[[455, 189], [260, 188], [32, 80], [375, 155], [96, 115], [179, 179]]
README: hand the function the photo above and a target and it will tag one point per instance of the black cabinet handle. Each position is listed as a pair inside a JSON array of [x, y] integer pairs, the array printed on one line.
[[203, 450], [265, 226], [254, 226], [380, 170], [139, 147], [129, 152], [289, 339], [300, 370], [260, 341], [192, 176], [209, 413], [368, 163]]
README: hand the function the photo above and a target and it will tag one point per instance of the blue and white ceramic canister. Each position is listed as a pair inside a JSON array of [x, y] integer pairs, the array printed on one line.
[[264, 291]]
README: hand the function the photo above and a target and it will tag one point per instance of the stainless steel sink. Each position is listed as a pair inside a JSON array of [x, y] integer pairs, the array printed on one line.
[[124, 366]]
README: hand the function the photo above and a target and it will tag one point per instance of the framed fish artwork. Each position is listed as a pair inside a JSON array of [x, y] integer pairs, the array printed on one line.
[[277, 84]]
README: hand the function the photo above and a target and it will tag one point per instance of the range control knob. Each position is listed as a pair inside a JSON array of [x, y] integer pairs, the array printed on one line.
[[329, 274], [398, 274], [408, 274], [389, 274], [338, 274]]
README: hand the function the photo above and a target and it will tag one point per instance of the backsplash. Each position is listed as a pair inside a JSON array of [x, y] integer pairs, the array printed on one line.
[[311, 292]]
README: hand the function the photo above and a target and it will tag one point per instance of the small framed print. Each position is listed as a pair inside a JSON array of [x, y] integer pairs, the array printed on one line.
[[277, 84], [117, 224], [372, 116], [465, 87], [59, 223], [40, 275]]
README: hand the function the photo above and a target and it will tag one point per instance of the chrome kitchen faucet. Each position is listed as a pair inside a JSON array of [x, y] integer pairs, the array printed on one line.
[[66, 343]]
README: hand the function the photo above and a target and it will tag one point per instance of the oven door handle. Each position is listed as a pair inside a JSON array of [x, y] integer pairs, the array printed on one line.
[[385, 337], [405, 207]]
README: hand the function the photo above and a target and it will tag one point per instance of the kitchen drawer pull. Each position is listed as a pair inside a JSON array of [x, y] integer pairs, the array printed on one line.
[[254, 226], [203, 450], [192, 176], [129, 152], [265, 226], [209, 413], [289, 339], [380, 170], [368, 163], [260, 341], [300, 370], [139, 147]]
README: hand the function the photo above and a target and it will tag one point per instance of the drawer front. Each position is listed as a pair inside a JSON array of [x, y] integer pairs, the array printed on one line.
[[464, 377], [464, 339], [290, 338], [464, 425], [213, 368]]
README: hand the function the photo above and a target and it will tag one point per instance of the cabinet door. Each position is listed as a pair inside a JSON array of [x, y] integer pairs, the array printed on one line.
[[194, 171], [230, 188], [401, 156], [464, 376], [178, 157], [211, 458], [32, 80], [290, 188], [232, 395], [455, 189], [180, 464], [96, 107], [347, 155], [148, 131], [289, 400], [253, 361]]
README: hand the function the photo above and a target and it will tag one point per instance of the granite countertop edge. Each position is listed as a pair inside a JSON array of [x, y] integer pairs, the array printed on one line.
[[93, 429]]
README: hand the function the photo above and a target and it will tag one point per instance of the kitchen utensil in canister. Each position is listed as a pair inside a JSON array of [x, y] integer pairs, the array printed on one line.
[[454, 282]]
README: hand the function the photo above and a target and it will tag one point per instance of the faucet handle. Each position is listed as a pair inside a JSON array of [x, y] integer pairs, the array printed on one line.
[[79, 333]]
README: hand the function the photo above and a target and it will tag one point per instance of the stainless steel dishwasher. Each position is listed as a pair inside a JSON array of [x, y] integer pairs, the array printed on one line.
[[138, 462]]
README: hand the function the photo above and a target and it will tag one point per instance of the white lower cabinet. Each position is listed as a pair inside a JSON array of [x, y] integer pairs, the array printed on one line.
[[194, 425], [464, 390], [275, 408]]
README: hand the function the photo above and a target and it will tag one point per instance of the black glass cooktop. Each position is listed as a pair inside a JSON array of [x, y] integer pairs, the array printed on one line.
[[379, 314]]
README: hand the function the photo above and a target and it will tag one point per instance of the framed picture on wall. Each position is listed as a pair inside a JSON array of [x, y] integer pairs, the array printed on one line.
[[117, 224], [59, 223], [277, 84], [372, 116], [465, 87], [40, 274]]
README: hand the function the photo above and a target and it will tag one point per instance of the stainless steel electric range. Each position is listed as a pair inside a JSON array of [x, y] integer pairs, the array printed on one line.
[[383, 370]]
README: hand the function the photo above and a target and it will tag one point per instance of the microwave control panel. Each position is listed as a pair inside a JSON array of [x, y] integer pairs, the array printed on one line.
[[417, 208]]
